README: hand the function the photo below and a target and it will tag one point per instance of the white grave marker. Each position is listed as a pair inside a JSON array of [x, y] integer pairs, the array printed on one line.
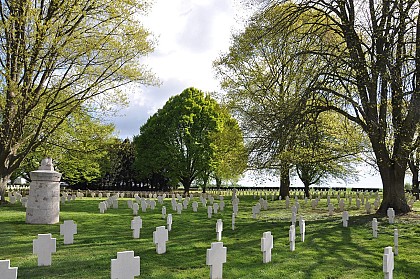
[[388, 262], [375, 227], [135, 208], [125, 266], [43, 246], [136, 225], [345, 218], [163, 212], [233, 221], [395, 242], [102, 207], [292, 237], [215, 258], [266, 246], [6, 271], [219, 229], [302, 227], [209, 211], [391, 215], [169, 222], [195, 206], [68, 229], [160, 236]]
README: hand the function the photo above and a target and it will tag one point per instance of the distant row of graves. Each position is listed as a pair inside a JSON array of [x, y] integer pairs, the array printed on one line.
[[127, 265]]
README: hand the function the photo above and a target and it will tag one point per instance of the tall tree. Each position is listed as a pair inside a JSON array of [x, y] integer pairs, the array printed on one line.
[[372, 78], [266, 85], [57, 55], [177, 141]]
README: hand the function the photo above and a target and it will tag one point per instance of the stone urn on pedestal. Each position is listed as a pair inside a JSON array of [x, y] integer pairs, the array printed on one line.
[[43, 205]]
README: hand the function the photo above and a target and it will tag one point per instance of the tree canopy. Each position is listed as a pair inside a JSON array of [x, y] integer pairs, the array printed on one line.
[[56, 56], [185, 139]]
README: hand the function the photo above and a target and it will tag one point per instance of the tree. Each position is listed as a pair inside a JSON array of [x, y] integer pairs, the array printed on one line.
[[79, 148], [266, 84], [372, 78], [326, 149], [230, 155], [56, 56], [177, 141]]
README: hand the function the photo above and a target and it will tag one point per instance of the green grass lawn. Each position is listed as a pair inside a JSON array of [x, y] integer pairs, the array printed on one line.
[[329, 250]]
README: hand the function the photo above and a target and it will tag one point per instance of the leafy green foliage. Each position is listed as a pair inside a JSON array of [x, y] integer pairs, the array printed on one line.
[[57, 56]]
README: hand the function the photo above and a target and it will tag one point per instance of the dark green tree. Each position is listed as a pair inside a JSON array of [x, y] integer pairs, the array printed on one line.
[[177, 141]]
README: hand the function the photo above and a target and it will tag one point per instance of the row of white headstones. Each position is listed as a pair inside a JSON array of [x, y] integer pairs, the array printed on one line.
[[45, 244]]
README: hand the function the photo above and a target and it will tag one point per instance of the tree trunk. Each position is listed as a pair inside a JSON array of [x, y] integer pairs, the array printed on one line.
[[3, 187], [415, 179], [186, 182], [393, 189], [284, 181], [306, 189]]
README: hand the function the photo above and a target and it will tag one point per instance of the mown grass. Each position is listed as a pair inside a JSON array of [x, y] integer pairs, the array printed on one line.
[[329, 251]]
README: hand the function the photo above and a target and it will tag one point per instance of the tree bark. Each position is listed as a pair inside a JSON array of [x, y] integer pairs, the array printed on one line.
[[3, 187], [284, 181], [415, 178], [393, 189]]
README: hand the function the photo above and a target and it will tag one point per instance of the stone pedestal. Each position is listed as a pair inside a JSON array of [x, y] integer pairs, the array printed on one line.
[[43, 205]]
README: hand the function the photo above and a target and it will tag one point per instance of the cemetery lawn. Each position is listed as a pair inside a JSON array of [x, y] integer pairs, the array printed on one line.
[[329, 251]]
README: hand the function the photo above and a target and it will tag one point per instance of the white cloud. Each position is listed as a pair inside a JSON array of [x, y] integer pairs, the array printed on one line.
[[190, 34]]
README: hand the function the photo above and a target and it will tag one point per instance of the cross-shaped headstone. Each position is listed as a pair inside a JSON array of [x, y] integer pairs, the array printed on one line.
[[219, 229], [136, 225], [375, 227], [135, 208], [215, 258], [169, 222], [160, 236], [185, 203], [215, 208], [6, 271], [388, 262], [125, 266], [143, 205], [43, 246], [68, 229], [194, 206], [266, 246]]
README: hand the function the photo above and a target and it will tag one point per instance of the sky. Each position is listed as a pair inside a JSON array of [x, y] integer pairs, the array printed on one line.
[[190, 35]]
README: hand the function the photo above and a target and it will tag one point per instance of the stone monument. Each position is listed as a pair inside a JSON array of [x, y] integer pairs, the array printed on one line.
[[43, 205]]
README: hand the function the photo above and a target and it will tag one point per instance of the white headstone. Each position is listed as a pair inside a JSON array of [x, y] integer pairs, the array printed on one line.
[[179, 208], [102, 207], [136, 225], [209, 211], [266, 246], [302, 227], [219, 229], [292, 237], [160, 236], [215, 208], [388, 262], [68, 229], [330, 209], [163, 212], [395, 242], [368, 207], [233, 221], [345, 218], [391, 215], [6, 271], [135, 208], [194, 206], [169, 222], [43, 246], [215, 258], [375, 227], [125, 266], [130, 203]]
